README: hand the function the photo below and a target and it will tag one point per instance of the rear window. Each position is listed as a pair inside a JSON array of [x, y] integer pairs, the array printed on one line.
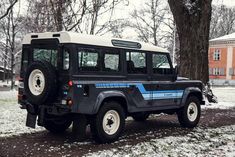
[[49, 55]]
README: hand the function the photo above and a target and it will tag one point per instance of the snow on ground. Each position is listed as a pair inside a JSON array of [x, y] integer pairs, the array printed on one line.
[[8, 83], [200, 142], [12, 118], [226, 98]]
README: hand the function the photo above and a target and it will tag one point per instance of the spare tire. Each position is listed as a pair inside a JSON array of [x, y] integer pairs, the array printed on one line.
[[40, 83]]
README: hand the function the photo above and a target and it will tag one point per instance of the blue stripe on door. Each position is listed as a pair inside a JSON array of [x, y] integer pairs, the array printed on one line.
[[147, 95]]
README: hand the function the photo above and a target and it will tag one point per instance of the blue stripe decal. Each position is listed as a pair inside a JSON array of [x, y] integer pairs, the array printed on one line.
[[147, 95]]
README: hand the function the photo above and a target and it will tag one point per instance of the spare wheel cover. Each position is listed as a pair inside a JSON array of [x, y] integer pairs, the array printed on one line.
[[36, 82]]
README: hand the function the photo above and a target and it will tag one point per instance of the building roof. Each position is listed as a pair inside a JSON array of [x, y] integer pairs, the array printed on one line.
[[71, 37], [229, 37]]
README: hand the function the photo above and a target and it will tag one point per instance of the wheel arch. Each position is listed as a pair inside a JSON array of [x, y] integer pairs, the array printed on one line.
[[106, 96], [192, 91]]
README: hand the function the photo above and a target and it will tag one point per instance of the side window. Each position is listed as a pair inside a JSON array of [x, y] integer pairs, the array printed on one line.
[[111, 62], [161, 64], [65, 59], [136, 62], [88, 60]]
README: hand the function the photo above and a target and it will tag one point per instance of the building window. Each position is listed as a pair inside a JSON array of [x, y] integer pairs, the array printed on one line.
[[217, 55], [218, 71], [231, 71]]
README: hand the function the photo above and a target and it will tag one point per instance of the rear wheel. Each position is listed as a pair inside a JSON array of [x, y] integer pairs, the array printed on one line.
[[109, 123], [139, 117], [58, 125], [189, 115]]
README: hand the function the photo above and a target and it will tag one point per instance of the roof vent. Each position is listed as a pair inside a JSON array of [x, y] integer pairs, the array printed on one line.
[[34, 36], [127, 44], [56, 35]]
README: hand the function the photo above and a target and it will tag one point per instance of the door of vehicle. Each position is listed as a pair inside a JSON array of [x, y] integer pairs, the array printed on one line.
[[139, 85], [164, 90]]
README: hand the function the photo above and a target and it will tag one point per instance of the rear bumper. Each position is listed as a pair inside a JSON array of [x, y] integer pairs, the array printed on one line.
[[54, 109], [41, 111]]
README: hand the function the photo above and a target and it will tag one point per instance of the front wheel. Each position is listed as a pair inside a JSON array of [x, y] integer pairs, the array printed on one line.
[[189, 115], [109, 123]]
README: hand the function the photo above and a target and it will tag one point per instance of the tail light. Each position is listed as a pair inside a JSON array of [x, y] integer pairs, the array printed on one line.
[[69, 102], [70, 83]]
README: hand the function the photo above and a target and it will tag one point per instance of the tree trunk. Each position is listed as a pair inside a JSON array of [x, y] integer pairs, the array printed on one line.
[[59, 15], [5, 62], [193, 24]]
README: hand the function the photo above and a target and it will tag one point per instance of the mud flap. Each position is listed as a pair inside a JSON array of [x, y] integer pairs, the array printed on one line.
[[31, 120], [79, 127]]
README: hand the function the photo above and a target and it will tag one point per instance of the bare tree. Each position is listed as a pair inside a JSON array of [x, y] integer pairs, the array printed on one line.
[[71, 15], [9, 28], [153, 22], [9, 8], [222, 21], [192, 18]]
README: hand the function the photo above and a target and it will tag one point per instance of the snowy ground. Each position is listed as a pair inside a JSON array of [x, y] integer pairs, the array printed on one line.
[[226, 98], [12, 118], [200, 142]]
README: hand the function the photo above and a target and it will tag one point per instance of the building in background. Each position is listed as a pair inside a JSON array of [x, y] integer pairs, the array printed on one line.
[[222, 60]]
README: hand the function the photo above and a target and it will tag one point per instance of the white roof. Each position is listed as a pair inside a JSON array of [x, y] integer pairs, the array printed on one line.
[[71, 37], [225, 38]]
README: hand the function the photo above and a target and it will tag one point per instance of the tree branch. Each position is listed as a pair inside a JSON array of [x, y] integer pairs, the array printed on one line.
[[8, 9]]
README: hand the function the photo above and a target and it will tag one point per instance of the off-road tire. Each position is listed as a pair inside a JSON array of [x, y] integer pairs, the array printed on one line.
[[140, 117], [97, 129], [184, 116], [50, 88], [57, 126]]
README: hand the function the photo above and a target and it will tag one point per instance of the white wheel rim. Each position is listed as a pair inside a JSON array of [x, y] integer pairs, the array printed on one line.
[[111, 122], [192, 111], [36, 82]]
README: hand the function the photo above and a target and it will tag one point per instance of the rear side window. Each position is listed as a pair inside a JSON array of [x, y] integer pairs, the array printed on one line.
[[65, 59], [88, 60], [49, 55], [111, 62], [136, 62], [25, 59], [161, 64]]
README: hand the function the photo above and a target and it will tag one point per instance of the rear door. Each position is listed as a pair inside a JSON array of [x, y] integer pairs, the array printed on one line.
[[137, 73]]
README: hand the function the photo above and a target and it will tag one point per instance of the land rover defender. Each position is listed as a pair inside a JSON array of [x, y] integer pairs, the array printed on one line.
[[70, 78]]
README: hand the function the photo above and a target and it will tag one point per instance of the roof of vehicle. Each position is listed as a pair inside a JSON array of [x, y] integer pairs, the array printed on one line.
[[71, 37]]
